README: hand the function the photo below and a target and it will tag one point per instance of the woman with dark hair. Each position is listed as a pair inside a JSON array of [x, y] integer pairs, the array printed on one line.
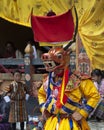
[[98, 78], [11, 51]]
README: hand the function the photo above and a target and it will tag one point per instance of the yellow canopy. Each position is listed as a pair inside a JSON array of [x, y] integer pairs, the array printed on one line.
[[16, 11], [91, 30], [90, 15], [19, 11]]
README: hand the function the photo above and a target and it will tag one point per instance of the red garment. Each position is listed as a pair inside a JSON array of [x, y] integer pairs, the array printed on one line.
[[9, 55]]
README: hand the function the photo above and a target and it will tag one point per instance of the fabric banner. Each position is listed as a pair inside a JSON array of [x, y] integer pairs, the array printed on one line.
[[91, 30], [19, 11], [90, 16], [57, 28], [59, 7]]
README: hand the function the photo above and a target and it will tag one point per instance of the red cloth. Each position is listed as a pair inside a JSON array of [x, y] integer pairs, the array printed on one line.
[[57, 28], [62, 88], [9, 55]]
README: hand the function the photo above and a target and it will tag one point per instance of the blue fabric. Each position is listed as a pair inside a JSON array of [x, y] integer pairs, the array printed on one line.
[[53, 108], [67, 110], [88, 108], [74, 103], [71, 124], [5, 126], [41, 104], [55, 84], [48, 102], [49, 89]]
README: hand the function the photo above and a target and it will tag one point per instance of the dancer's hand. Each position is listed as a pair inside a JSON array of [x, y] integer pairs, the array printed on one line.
[[46, 114], [77, 116]]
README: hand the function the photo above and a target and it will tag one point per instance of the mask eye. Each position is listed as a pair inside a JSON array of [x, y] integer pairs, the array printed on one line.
[[59, 56]]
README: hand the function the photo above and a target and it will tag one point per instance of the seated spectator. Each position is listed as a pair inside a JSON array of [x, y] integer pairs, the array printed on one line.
[[11, 51], [98, 78]]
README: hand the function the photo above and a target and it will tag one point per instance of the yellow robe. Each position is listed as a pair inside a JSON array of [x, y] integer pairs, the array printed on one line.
[[86, 89]]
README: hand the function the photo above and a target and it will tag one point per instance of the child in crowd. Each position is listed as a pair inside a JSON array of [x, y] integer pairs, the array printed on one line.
[[18, 96]]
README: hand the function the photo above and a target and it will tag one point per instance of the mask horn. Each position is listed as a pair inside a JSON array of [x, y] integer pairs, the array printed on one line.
[[75, 33]]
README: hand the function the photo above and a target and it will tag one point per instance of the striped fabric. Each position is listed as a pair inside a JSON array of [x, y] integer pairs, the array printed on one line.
[[18, 104]]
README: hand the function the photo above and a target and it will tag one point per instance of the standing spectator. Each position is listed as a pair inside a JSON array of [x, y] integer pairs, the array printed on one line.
[[98, 78], [18, 96]]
